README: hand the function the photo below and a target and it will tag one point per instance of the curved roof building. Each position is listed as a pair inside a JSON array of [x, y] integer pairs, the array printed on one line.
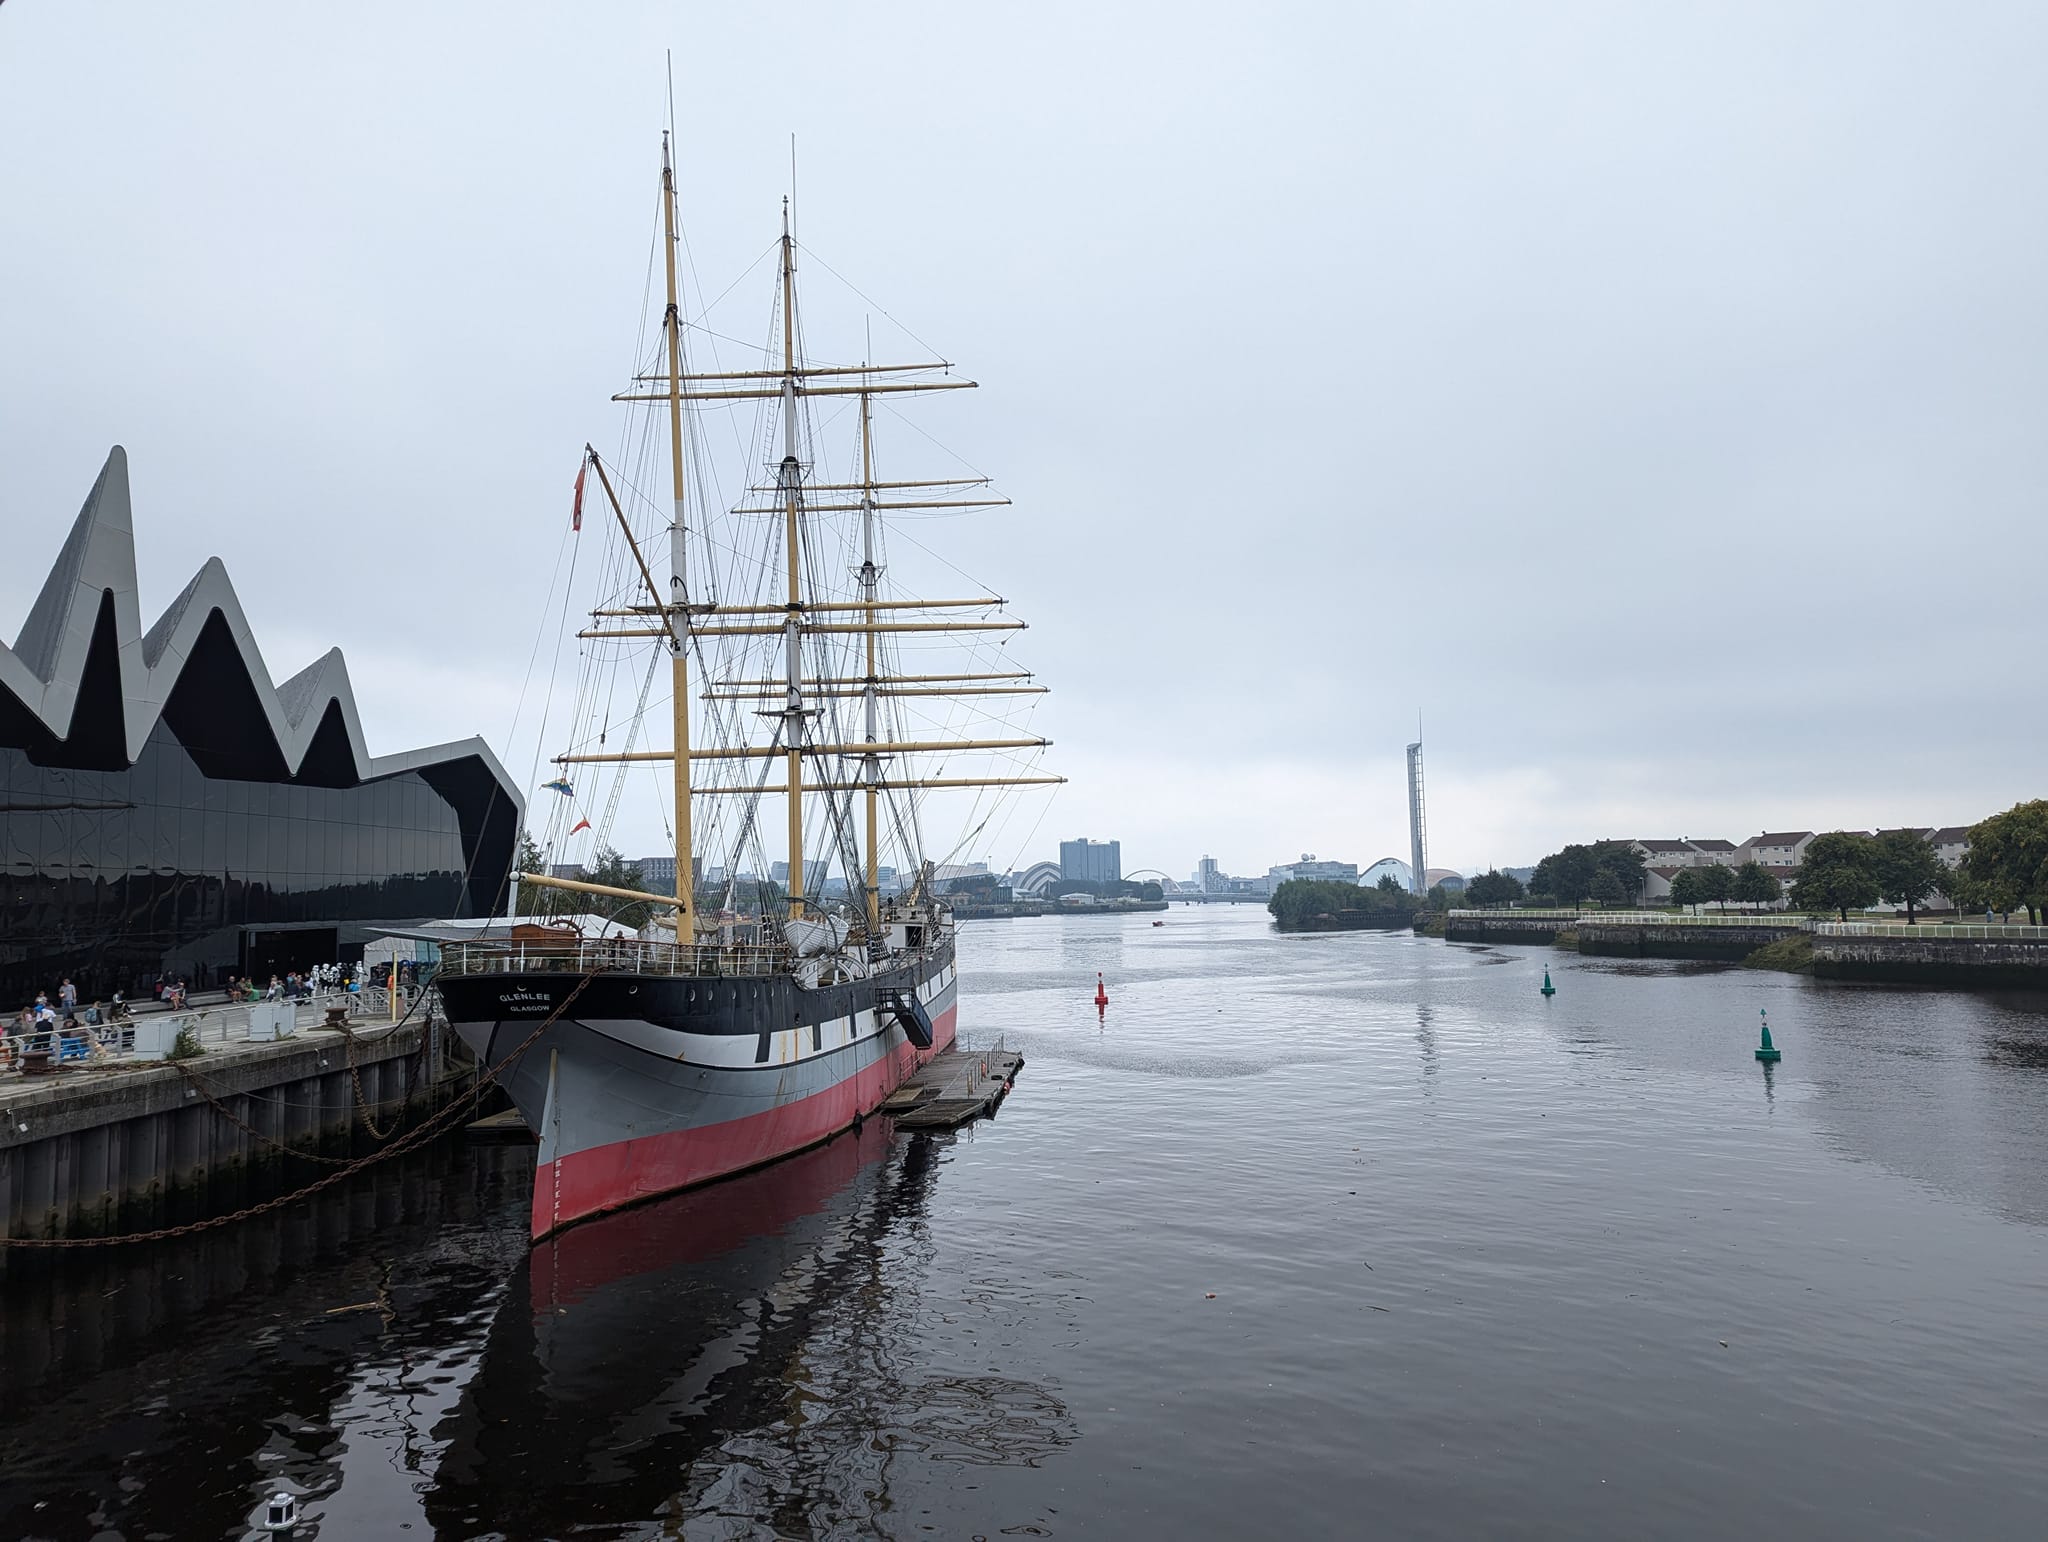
[[165, 808]]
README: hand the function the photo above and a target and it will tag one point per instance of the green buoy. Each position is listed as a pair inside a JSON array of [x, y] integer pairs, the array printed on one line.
[[1767, 1051], [1548, 988]]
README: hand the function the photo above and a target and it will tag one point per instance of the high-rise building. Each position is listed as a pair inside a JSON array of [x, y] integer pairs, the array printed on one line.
[[1091, 861], [1208, 876], [659, 873]]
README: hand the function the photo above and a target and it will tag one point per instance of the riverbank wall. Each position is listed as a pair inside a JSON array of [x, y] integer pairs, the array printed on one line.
[[1506, 926], [1016, 909], [1676, 939], [1933, 955], [106, 1150], [1350, 921]]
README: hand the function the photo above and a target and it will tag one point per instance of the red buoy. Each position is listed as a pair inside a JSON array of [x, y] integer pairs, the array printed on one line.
[[1101, 995]]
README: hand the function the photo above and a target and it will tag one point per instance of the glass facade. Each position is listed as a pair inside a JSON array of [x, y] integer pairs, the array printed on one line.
[[115, 875]]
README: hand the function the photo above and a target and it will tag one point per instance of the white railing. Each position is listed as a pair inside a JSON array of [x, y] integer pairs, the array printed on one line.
[[615, 955], [222, 1024], [1964, 930], [1639, 917]]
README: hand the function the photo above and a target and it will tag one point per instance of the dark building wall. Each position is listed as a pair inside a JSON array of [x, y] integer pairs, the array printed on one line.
[[116, 876]]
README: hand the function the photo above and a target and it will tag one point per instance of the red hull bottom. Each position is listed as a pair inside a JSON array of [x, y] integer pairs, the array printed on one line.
[[602, 1178]]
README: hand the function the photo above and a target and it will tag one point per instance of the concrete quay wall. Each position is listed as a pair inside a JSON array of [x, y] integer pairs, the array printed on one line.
[[1933, 960], [1678, 940], [1505, 927], [100, 1151]]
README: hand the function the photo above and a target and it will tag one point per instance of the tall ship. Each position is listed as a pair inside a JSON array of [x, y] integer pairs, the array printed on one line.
[[767, 1005]]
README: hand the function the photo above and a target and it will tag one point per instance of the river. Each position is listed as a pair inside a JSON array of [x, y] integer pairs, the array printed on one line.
[[1333, 1235]]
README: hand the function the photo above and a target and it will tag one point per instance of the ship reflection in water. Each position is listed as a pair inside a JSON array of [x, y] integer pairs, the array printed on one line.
[[764, 1355], [749, 1351]]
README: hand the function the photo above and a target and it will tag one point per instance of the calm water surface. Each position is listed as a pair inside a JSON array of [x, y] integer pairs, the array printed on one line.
[[1321, 1236]]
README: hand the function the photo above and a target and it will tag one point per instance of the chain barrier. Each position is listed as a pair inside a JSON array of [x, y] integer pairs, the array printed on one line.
[[429, 1127]]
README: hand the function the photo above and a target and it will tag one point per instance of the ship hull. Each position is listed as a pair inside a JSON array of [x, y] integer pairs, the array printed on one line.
[[648, 1084]]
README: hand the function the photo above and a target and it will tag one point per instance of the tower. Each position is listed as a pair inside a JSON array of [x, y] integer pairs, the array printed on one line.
[[1417, 856]]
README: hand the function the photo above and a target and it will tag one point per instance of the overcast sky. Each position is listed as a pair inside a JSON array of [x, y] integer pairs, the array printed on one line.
[[1653, 396]]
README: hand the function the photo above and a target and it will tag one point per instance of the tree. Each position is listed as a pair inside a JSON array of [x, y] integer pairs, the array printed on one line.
[[1908, 869], [1607, 888], [1717, 883], [615, 872], [1625, 863], [1755, 884], [1389, 884], [538, 899], [1686, 888], [1840, 870], [2008, 858], [1494, 888], [1566, 876], [1300, 900]]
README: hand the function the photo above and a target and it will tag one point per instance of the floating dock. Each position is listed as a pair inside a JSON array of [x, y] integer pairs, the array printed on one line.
[[954, 1087]]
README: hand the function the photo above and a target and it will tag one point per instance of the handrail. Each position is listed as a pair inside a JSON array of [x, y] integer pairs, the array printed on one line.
[[1961, 930], [1639, 917]]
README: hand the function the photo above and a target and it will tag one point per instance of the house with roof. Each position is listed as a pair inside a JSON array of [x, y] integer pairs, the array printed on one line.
[[1659, 853], [1776, 849], [1716, 853], [1950, 843]]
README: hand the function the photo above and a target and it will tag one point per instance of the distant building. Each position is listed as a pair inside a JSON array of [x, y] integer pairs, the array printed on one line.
[[1387, 867], [814, 872], [1089, 861], [1448, 879], [659, 873], [1310, 867], [1036, 879], [1717, 854], [1208, 876]]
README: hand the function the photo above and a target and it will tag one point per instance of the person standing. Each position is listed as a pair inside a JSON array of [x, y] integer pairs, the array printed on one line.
[[67, 997]]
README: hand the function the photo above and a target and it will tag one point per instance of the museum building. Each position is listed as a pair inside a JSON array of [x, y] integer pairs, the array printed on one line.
[[166, 811]]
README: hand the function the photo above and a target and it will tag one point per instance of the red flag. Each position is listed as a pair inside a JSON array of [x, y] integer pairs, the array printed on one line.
[[581, 824], [576, 515]]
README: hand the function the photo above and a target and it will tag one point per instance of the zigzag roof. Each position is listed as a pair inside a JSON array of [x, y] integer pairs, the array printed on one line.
[[46, 666]]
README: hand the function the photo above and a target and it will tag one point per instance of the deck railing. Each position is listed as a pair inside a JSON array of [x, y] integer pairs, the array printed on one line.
[[614, 955], [221, 1023]]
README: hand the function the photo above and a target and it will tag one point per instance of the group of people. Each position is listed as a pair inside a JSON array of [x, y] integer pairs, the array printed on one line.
[[47, 1025], [317, 981], [64, 1028]]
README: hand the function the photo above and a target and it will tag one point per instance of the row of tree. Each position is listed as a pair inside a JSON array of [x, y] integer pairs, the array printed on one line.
[[1611, 872], [2005, 868], [1750, 884], [1299, 901]]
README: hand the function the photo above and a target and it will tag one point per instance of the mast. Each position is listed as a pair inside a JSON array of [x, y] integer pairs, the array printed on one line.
[[790, 477], [678, 592], [871, 764]]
